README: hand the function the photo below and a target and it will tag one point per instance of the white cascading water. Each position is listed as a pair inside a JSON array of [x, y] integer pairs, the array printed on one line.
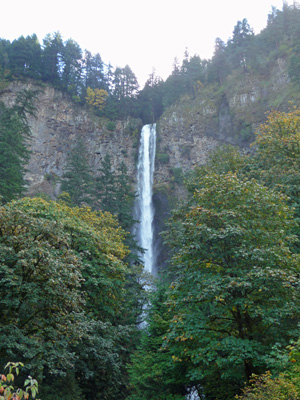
[[144, 209]]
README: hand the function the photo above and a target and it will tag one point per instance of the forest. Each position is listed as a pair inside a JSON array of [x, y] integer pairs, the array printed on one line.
[[115, 93], [80, 319]]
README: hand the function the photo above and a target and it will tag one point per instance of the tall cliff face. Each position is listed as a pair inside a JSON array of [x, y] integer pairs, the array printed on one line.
[[191, 128], [187, 131], [184, 138], [56, 128]]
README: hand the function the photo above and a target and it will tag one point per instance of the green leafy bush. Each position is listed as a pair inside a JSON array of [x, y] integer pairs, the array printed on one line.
[[9, 392], [178, 175], [163, 158], [111, 126], [265, 387]]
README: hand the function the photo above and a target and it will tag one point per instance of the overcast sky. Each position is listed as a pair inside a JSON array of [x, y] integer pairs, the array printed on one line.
[[143, 34]]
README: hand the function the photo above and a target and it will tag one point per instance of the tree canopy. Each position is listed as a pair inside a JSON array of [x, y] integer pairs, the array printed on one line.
[[64, 291]]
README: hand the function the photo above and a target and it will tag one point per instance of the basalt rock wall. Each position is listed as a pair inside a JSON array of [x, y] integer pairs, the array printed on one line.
[[186, 132], [55, 129]]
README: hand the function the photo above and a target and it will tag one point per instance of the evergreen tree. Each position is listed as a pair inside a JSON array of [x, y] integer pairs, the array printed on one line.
[[124, 197], [51, 58], [240, 44], [294, 66], [14, 140], [114, 194], [125, 91], [4, 57], [174, 86], [71, 71], [192, 71], [105, 187], [77, 179], [219, 66], [93, 71], [25, 57], [150, 99]]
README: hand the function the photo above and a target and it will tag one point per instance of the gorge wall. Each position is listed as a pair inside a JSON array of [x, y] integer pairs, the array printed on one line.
[[56, 128], [186, 133]]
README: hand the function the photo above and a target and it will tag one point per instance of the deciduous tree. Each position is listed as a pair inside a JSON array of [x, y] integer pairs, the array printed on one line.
[[235, 294], [96, 98]]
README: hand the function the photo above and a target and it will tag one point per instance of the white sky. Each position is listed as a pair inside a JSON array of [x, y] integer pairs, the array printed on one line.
[[143, 34]]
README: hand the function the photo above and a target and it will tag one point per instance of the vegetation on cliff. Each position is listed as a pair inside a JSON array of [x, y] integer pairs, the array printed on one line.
[[227, 310], [14, 138], [244, 65]]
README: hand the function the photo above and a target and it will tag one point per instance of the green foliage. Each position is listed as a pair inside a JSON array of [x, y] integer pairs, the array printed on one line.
[[150, 99], [14, 137], [277, 149], [264, 387], [276, 162], [125, 87], [61, 387], [7, 390], [114, 194], [245, 55], [294, 66], [13, 154], [111, 126], [235, 294], [63, 304], [25, 57], [85, 77], [51, 57], [178, 175], [240, 44], [40, 297], [153, 373], [77, 180], [285, 385], [71, 56], [111, 191], [221, 160], [163, 158], [68, 302], [105, 186]]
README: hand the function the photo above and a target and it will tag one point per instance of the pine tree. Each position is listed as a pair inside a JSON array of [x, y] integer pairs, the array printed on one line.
[[14, 152], [105, 187], [124, 197], [114, 193], [77, 180]]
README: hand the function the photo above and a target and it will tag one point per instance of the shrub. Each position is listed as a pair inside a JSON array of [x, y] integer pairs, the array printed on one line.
[[111, 126], [9, 392], [163, 158], [264, 387]]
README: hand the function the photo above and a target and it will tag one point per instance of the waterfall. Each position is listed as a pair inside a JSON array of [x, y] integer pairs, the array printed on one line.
[[144, 210]]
